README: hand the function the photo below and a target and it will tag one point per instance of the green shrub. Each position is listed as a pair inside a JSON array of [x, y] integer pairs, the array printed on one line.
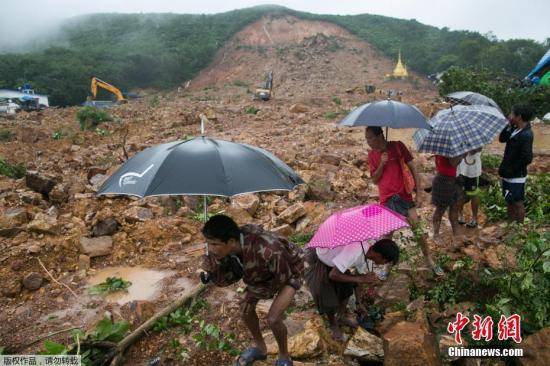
[[300, 239], [251, 110], [90, 117], [111, 284], [336, 100], [6, 135], [154, 101], [12, 171], [490, 161], [331, 115]]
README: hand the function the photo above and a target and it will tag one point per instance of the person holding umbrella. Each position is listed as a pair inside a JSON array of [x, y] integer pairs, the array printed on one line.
[[390, 164], [269, 265], [342, 255], [518, 154]]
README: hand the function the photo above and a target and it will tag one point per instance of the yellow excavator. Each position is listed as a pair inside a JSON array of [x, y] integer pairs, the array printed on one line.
[[102, 84], [266, 92]]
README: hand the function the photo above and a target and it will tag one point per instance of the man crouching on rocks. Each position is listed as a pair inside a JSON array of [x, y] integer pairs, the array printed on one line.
[[270, 266]]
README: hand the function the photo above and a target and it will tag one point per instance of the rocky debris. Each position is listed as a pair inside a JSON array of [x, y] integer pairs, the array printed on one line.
[[59, 194], [33, 281], [283, 230], [291, 214], [535, 349], [365, 346], [97, 180], [44, 224], [31, 135], [395, 290], [11, 232], [500, 256], [40, 182], [410, 343], [95, 247], [105, 227], [95, 170], [390, 319], [239, 215], [11, 287], [491, 235], [330, 159], [32, 198], [319, 187], [248, 202], [473, 252], [136, 213], [137, 312], [445, 342], [13, 217], [298, 108], [83, 262]]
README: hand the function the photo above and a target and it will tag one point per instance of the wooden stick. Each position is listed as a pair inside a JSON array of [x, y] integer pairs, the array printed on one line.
[[136, 334], [56, 281], [47, 336]]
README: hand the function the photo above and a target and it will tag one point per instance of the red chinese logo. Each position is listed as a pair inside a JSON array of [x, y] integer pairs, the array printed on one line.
[[482, 328], [457, 326], [510, 328]]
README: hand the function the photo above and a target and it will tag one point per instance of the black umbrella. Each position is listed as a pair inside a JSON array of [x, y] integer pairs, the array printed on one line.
[[386, 113], [201, 166]]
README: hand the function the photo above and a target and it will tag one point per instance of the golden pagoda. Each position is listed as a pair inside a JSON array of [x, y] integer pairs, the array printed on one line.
[[400, 70]]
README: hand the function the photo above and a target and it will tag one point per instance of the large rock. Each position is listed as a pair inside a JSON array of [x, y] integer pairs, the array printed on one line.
[[13, 217], [105, 227], [33, 281], [365, 346], [59, 194], [536, 350], [44, 224], [410, 343], [95, 247], [298, 108], [307, 344], [239, 215], [248, 202], [319, 188], [395, 290], [40, 182], [137, 213], [283, 230], [291, 214], [31, 135]]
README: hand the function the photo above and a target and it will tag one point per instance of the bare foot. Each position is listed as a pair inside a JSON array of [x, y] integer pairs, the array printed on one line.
[[337, 333], [348, 321]]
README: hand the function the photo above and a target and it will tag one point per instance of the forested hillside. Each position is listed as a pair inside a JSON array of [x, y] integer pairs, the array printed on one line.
[[163, 50]]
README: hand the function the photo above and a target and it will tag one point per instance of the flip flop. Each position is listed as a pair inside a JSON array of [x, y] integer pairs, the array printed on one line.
[[438, 270], [249, 356], [472, 224]]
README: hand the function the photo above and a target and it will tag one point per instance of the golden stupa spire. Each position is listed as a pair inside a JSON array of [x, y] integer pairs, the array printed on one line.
[[400, 70]]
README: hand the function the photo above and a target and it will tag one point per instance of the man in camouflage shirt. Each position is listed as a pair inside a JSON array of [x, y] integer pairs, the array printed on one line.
[[270, 266]]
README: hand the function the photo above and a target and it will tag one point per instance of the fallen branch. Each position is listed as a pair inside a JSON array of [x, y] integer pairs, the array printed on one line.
[[136, 334], [56, 281], [47, 336]]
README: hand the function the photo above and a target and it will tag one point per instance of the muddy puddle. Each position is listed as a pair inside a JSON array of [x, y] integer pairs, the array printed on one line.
[[146, 283]]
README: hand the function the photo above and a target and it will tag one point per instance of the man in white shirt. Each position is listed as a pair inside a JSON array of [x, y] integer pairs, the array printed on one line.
[[331, 280], [468, 172]]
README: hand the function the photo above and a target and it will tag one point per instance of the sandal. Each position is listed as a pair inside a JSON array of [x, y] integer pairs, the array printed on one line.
[[249, 356], [280, 362], [438, 270], [461, 221], [472, 224]]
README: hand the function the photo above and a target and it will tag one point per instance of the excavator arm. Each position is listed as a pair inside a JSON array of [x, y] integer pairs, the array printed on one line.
[[102, 84]]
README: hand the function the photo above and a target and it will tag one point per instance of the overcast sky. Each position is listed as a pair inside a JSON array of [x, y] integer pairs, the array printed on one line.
[[505, 18]]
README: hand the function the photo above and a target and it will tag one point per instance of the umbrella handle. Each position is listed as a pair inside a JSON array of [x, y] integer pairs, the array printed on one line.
[[203, 123], [204, 204]]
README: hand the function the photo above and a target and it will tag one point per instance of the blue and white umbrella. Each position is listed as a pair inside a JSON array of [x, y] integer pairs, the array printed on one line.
[[460, 129]]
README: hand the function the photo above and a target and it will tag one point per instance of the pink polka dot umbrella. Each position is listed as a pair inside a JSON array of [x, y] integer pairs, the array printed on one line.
[[356, 224]]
